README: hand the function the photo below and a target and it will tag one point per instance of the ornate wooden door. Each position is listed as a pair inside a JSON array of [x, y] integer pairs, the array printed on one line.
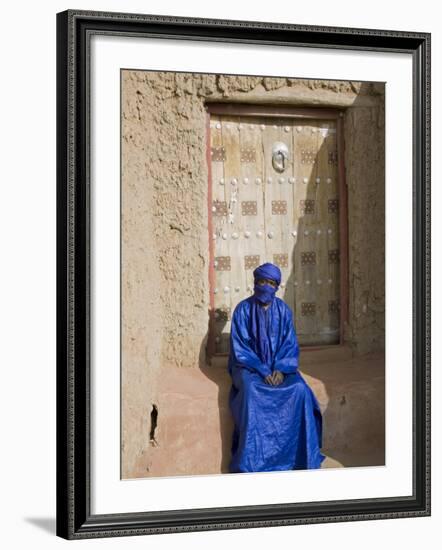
[[274, 198]]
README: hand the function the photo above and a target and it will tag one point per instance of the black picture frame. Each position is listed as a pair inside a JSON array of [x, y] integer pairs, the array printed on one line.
[[74, 518]]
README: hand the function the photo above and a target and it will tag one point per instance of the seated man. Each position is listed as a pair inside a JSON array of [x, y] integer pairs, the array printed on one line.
[[277, 419]]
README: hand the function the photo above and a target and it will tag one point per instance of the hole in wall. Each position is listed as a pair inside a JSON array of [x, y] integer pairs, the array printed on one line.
[[153, 425]]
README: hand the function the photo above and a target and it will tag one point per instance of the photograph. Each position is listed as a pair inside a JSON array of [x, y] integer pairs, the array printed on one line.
[[226, 213], [243, 308], [252, 273]]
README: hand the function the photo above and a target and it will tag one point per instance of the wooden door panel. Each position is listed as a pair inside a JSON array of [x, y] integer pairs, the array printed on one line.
[[288, 217]]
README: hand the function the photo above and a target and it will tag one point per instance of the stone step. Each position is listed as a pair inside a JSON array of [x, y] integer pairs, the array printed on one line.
[[194, 424], [307, 356], [330, 462]]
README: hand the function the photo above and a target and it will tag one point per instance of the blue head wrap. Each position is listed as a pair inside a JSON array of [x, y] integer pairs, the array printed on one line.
[[268, 271], [265, 293]]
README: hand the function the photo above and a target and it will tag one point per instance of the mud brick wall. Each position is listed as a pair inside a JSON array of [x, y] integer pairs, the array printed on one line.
[[165, 283]]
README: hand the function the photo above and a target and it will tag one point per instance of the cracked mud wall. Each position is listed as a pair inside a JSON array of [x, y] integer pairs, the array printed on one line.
[[164, 209]]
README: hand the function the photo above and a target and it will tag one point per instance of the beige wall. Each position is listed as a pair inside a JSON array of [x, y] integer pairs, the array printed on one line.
[[165, 292]]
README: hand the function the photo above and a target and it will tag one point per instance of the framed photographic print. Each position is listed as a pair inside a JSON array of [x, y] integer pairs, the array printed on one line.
[[243, 274]]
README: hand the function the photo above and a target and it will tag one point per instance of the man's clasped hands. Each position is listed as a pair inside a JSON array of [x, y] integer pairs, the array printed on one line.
[[275, 378]]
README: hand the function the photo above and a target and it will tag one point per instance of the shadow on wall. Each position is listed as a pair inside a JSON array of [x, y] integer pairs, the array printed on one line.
[[350, 392]]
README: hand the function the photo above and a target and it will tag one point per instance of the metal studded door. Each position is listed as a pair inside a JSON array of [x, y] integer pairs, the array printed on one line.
[[274, 197]]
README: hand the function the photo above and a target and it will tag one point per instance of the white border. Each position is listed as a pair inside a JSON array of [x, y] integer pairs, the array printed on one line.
[[108, 493]]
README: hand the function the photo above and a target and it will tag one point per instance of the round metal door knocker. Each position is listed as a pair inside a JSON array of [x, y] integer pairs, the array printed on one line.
[[280, 156]]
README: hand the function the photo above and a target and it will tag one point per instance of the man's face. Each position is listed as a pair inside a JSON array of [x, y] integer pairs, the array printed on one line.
[[270, 282]]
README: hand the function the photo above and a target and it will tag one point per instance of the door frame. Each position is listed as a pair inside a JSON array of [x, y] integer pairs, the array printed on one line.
[[286, 111]]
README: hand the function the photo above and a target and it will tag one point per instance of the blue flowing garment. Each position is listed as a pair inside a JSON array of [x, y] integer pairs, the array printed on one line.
[[275, 427]]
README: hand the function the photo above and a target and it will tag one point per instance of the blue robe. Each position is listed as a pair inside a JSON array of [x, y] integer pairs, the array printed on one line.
[[275, 427]]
